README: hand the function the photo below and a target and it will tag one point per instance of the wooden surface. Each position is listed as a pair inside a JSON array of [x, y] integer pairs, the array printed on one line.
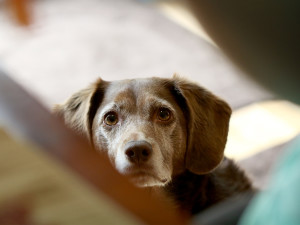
[[22, 113], [20, 9]]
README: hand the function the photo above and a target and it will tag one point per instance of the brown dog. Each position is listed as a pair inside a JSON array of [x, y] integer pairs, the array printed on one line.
[[164, 133]]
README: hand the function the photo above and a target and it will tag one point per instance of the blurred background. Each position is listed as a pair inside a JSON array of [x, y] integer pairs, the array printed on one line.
[[64, 45]]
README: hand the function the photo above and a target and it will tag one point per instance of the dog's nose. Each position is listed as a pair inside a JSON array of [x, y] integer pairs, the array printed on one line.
[[138, 151]]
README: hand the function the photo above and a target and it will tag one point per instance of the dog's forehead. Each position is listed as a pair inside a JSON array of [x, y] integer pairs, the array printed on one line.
[[137, 90]]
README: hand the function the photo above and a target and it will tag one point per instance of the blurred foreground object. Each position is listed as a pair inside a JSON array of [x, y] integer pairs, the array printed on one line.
[[36, 190], [21, 10], [262, 37]]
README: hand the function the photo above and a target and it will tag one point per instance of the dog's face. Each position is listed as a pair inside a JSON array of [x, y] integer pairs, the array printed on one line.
[[151, 129], [143, 130]]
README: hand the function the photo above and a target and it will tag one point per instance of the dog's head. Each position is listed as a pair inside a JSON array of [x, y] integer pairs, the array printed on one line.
[[151, 129]]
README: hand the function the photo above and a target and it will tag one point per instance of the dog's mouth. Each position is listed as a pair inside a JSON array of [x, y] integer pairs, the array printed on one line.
[[145, 178]]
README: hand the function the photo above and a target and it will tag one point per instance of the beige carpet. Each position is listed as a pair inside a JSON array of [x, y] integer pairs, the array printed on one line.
[[71, 43]]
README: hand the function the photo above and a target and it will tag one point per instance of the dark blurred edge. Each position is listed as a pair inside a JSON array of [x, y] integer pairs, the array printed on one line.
[[261, 37], [20, 111], [224, 213]]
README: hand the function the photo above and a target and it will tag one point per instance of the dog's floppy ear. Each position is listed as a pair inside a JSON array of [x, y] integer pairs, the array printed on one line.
[[79, 110], [208, 121]]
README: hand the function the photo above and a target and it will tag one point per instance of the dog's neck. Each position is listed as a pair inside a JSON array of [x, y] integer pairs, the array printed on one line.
[[161, 193], [173, 191]]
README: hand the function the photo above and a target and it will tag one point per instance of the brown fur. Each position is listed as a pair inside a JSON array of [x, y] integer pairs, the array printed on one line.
[[187, 163]]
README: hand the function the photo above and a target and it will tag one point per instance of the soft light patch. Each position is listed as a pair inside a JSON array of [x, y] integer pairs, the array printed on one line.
[[261, 126]]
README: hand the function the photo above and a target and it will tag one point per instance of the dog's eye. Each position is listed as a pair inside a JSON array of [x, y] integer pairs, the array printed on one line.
[[111, 118], [164, 114]]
